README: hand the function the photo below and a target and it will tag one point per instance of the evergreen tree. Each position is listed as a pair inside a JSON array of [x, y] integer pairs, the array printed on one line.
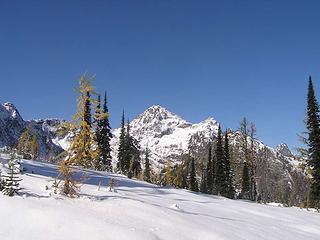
[[106, 136], [210, 171], [147, 169], [103, 136], [245, 184], [229, 173], [129, 153], [214, 161], [253, 164], [245, 181], [12, 180], [220, 181], [136, 159], [192, 180], [313, 127], [98, 164], [134, 153], [203, 183], [122, 148], [80, 151]]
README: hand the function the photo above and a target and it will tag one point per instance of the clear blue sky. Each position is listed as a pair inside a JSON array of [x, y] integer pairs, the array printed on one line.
[[225, 59]]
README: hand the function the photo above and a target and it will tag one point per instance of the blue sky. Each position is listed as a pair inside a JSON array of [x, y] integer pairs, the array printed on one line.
[[225, 59]]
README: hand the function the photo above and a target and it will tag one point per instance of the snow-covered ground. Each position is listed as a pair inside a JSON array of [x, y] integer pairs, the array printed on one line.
[[138, 210]]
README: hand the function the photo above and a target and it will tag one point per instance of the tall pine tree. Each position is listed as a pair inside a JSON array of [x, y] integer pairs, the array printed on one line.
[[210, 171], [245, 181], [192, 180], [204, 181], [147, 168], [229, 173], [122, 148], [103, 136], [245, 184], [313, 127], [220, 181]]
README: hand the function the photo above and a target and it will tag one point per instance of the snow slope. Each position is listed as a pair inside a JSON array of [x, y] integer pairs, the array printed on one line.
[[138, 210]]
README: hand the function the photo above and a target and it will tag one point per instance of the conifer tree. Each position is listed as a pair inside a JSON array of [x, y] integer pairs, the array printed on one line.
[[12, 179], [24, 144], [245, 184], [128, 154], [229, 173], [34, 146], [180, 178], [87, 108], [192, 180], [245, 181], [70, 185], [313, 140], [103, 136], [210, 171], [98, 162], [168, 174], [106, 136], [133, 152], [253, 164], [122, 148], [203, 183], [147, 169], [220, 181], [80, 151]]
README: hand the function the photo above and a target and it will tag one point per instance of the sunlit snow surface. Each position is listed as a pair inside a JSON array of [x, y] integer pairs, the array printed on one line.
[[138, 210]]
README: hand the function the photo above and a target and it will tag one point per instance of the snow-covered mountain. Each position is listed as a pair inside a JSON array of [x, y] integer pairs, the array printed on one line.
[[12, 125], [166, 134]]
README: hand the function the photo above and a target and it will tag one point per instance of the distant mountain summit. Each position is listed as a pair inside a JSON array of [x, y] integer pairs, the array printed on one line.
[[12, 125], [166, 134]]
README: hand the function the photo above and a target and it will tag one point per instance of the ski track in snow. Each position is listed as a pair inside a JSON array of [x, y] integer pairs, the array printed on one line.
[[138, 210]]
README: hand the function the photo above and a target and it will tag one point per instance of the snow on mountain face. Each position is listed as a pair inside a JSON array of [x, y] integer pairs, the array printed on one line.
[[11, 124], [284, 150], [166, 134]]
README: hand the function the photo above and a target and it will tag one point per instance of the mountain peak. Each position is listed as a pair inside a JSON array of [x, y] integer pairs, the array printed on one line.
[[284, 150], [11, 111], [156, 113]]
